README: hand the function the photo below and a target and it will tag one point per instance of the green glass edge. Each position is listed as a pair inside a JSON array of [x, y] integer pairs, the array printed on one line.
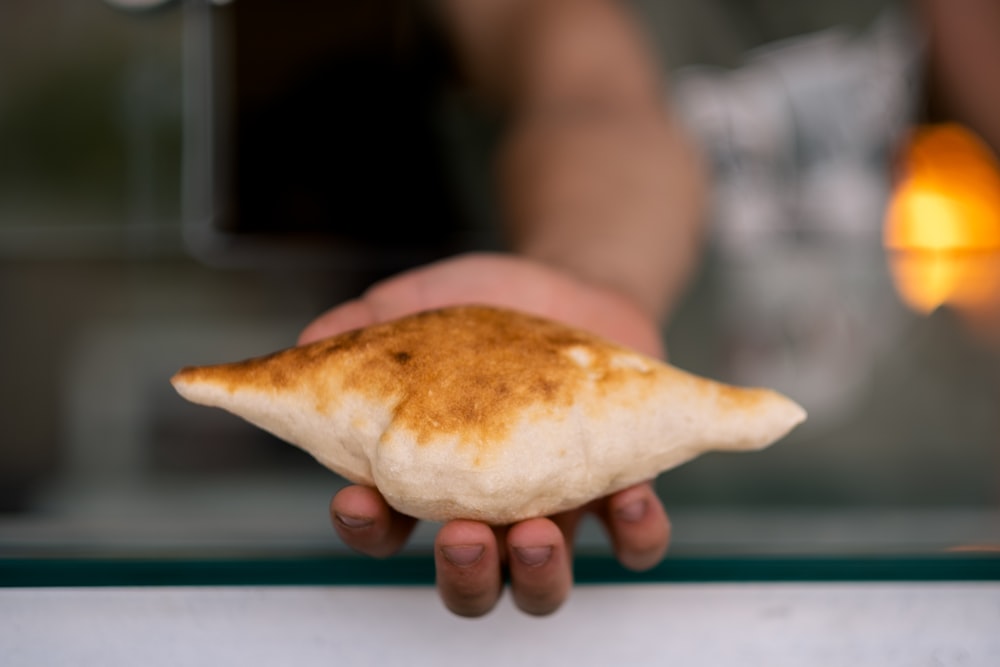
[[418, 570]]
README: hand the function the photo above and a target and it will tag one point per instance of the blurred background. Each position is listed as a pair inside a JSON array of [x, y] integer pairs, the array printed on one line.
[[166, 200]]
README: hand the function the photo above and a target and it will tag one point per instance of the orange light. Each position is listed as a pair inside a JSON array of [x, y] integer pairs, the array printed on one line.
[[926, 280], [942, 226]]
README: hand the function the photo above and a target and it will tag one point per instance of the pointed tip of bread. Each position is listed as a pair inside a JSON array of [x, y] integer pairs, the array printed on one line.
[[790, 413], [193, 383], [797, 413], [779, 418], [184, 389], [751, 418], [183, 376], [181, 380]]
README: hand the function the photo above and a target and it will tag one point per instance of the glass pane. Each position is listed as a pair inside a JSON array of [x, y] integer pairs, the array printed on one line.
[[104, 295]]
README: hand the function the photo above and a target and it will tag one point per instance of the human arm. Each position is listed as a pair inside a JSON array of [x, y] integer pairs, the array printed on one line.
[[595, 175], [601, 196]]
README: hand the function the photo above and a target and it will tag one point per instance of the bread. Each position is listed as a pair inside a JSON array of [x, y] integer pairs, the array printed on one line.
[[481, 413]]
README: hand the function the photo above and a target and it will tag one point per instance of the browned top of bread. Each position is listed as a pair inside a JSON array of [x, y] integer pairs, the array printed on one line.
[[470, 371], [481, 413]]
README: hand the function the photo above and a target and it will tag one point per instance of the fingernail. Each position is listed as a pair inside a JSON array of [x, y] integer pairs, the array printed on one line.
[[533, 556], [633, 511], [353, 522], [463, 556]]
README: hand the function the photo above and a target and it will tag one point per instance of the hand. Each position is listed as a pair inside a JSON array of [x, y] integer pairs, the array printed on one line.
[[468, 555]]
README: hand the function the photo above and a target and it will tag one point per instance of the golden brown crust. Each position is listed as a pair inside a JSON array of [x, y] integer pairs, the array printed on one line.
[[468, 371], [738, 399], [487, 414]]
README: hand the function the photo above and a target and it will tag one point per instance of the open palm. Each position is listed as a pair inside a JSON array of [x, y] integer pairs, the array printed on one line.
[[470, 556]]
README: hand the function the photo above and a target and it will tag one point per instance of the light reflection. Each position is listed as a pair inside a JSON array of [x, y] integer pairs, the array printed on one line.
[[929, 279], [942, 227]]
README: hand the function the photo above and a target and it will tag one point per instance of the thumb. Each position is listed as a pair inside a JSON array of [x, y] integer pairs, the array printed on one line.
[[345, 317]]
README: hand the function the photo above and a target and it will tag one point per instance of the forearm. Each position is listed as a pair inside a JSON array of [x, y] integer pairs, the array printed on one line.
[[614, 198], [594, 175]]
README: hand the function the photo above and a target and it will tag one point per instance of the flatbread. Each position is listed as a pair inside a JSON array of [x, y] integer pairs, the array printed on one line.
[[481, 413]]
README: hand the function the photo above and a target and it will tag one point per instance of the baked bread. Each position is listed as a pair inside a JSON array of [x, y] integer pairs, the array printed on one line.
[[482, 413]]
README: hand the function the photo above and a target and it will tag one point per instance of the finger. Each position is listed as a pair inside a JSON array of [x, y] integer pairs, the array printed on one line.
[[540, 566], [468, 567], [638, 526], [367, 524], [345, 317]]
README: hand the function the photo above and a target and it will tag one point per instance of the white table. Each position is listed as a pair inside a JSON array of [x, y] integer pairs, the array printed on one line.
[[794, 624]]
